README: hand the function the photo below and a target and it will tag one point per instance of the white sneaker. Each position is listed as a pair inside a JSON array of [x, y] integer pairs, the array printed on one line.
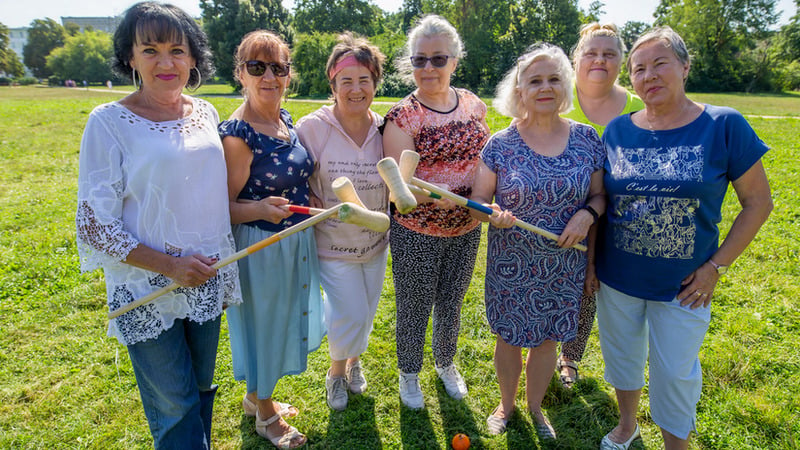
[[355, 378], [336, 388], [410, 391], [453, 383]]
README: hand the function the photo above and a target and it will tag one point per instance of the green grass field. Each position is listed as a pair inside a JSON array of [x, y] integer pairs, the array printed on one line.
[[65, 384]]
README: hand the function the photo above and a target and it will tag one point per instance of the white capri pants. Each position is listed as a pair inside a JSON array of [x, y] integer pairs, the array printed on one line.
[[352, 291], [674, 334]]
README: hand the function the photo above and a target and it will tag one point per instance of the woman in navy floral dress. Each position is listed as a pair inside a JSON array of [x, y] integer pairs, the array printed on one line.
[[546, 171]]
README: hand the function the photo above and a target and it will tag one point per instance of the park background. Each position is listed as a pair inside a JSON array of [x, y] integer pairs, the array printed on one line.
[[65, 384]]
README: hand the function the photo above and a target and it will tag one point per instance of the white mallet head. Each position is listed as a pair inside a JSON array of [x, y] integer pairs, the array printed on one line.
[[356, 215], [404, 200], [346, 192], [409, 160]]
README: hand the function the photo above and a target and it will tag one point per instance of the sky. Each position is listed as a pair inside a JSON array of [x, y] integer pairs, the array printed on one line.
[[21, 15]]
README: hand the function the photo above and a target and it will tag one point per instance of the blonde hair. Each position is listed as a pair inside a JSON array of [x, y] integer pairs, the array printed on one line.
[[507, 100], [428, 26], [593, 30]]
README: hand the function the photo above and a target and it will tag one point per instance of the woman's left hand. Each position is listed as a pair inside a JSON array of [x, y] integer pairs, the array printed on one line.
[[576, 230], [698, 287]]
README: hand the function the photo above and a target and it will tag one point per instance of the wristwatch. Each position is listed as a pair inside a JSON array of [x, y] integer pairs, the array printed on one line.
[[720, 268]]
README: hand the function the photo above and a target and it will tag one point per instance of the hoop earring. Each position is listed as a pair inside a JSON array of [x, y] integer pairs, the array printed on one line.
[[137, 84], [199, 79]]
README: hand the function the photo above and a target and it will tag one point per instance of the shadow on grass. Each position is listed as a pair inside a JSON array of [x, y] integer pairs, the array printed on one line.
[[416, 429], [457, 417], [355, 427]]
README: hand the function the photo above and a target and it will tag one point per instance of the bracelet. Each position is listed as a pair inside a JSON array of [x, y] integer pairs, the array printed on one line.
[[592, 212]]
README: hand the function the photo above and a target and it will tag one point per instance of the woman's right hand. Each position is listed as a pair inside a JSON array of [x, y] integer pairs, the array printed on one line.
[[192, 270], [270, 210], [502, 220]]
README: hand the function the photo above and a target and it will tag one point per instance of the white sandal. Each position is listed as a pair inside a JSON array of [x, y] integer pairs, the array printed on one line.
[[286, 411], [496, 424], [282, 441]]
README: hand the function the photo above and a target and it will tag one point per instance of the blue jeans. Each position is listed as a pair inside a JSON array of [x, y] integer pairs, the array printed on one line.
[[174, 372]]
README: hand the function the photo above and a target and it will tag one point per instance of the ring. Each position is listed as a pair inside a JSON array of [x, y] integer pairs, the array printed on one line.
[[698, 293]]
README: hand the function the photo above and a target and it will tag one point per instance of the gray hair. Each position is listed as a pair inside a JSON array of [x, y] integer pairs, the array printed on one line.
[[428, 26], [670, 38], [507, 98]]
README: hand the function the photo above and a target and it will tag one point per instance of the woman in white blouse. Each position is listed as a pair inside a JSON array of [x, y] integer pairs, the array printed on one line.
[[153, 208]]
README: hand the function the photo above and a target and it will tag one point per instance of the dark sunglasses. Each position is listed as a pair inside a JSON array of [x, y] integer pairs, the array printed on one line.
[[257, 68], [438, 61]]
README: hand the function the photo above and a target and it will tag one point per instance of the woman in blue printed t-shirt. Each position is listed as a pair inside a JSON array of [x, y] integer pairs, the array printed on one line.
[[659, 261]]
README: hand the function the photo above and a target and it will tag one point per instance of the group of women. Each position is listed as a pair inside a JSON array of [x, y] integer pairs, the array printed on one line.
[[166, 190]]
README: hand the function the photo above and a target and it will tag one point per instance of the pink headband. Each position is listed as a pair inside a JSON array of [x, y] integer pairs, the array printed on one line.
[[347, 61]]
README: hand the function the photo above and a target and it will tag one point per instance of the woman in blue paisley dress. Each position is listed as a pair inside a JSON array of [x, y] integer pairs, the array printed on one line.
[[280, 319], [547, 171]]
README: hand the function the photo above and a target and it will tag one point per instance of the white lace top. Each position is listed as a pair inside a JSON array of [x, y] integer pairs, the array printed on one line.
[[164, 185]]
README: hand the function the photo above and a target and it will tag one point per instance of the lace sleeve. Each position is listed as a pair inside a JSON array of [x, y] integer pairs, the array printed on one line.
[[101, 236]]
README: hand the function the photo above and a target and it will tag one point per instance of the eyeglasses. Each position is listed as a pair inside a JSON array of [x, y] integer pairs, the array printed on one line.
[[257, 68], [437, 61]]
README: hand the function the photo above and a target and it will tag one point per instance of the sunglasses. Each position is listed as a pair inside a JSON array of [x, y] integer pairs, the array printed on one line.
[[437, 61], [258, 68]]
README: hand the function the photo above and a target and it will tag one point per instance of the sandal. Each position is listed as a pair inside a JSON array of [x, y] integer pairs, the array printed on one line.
[[544, 429], [566, 380], [286, 410], [289, 439], [496, 424]]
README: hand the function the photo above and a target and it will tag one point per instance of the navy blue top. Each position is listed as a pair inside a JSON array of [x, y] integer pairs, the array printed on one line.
[[279, 168], [665, 190]]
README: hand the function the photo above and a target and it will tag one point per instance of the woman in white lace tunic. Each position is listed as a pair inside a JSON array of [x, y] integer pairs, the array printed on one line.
[[152, 209]]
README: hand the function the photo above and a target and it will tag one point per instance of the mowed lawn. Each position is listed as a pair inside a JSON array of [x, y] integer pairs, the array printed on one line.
[[65, 384]]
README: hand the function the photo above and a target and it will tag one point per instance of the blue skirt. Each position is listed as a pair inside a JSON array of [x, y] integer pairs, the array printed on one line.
[[280, 319]]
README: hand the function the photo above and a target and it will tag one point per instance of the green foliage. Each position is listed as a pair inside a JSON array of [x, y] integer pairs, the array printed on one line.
[[722, 36], [227, 21], [84, 56], [309, 59], [44, 35], [9, 61], [336, 16], [27, 81]]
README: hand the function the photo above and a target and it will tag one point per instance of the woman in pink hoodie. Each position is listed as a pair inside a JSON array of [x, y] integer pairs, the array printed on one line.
[[344, 141]]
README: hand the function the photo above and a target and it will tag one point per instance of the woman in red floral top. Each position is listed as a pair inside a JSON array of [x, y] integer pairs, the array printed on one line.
[[434, 247]]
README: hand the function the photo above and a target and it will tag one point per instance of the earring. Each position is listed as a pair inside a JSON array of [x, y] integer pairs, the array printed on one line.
[[195, 86], [137, 84]]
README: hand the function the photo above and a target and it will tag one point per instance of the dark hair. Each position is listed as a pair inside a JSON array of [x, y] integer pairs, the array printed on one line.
[[161, 22], [366, 54]]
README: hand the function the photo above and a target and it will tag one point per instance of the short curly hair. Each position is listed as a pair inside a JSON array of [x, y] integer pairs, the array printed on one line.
[[428, 26], [161, 22], [507, 99]]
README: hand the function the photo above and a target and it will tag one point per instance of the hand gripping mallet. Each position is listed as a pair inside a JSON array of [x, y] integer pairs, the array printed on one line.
[[347, 212], [403, 199], [408, 158]]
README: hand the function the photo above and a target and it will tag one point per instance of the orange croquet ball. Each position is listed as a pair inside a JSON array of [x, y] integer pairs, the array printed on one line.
[[460, 442]]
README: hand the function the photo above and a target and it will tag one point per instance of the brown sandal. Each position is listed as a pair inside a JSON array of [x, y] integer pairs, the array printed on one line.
[[566, 380]]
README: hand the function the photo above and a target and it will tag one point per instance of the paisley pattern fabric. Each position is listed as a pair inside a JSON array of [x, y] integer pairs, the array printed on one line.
[[533, 287]]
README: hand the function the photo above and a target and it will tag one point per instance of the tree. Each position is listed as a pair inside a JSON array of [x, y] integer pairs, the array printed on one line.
[[334, 16], [44, 35], [9, 61], [412, 9], [719, 33], [227, 21], [631, 31], [309, 59], [84, 56], [786, 51]]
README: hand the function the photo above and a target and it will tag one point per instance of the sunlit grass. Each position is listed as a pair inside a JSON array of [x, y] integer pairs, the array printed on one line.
[[64, 384]]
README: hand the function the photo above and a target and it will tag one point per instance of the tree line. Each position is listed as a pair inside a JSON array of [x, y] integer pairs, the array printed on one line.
[[733, 42]]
